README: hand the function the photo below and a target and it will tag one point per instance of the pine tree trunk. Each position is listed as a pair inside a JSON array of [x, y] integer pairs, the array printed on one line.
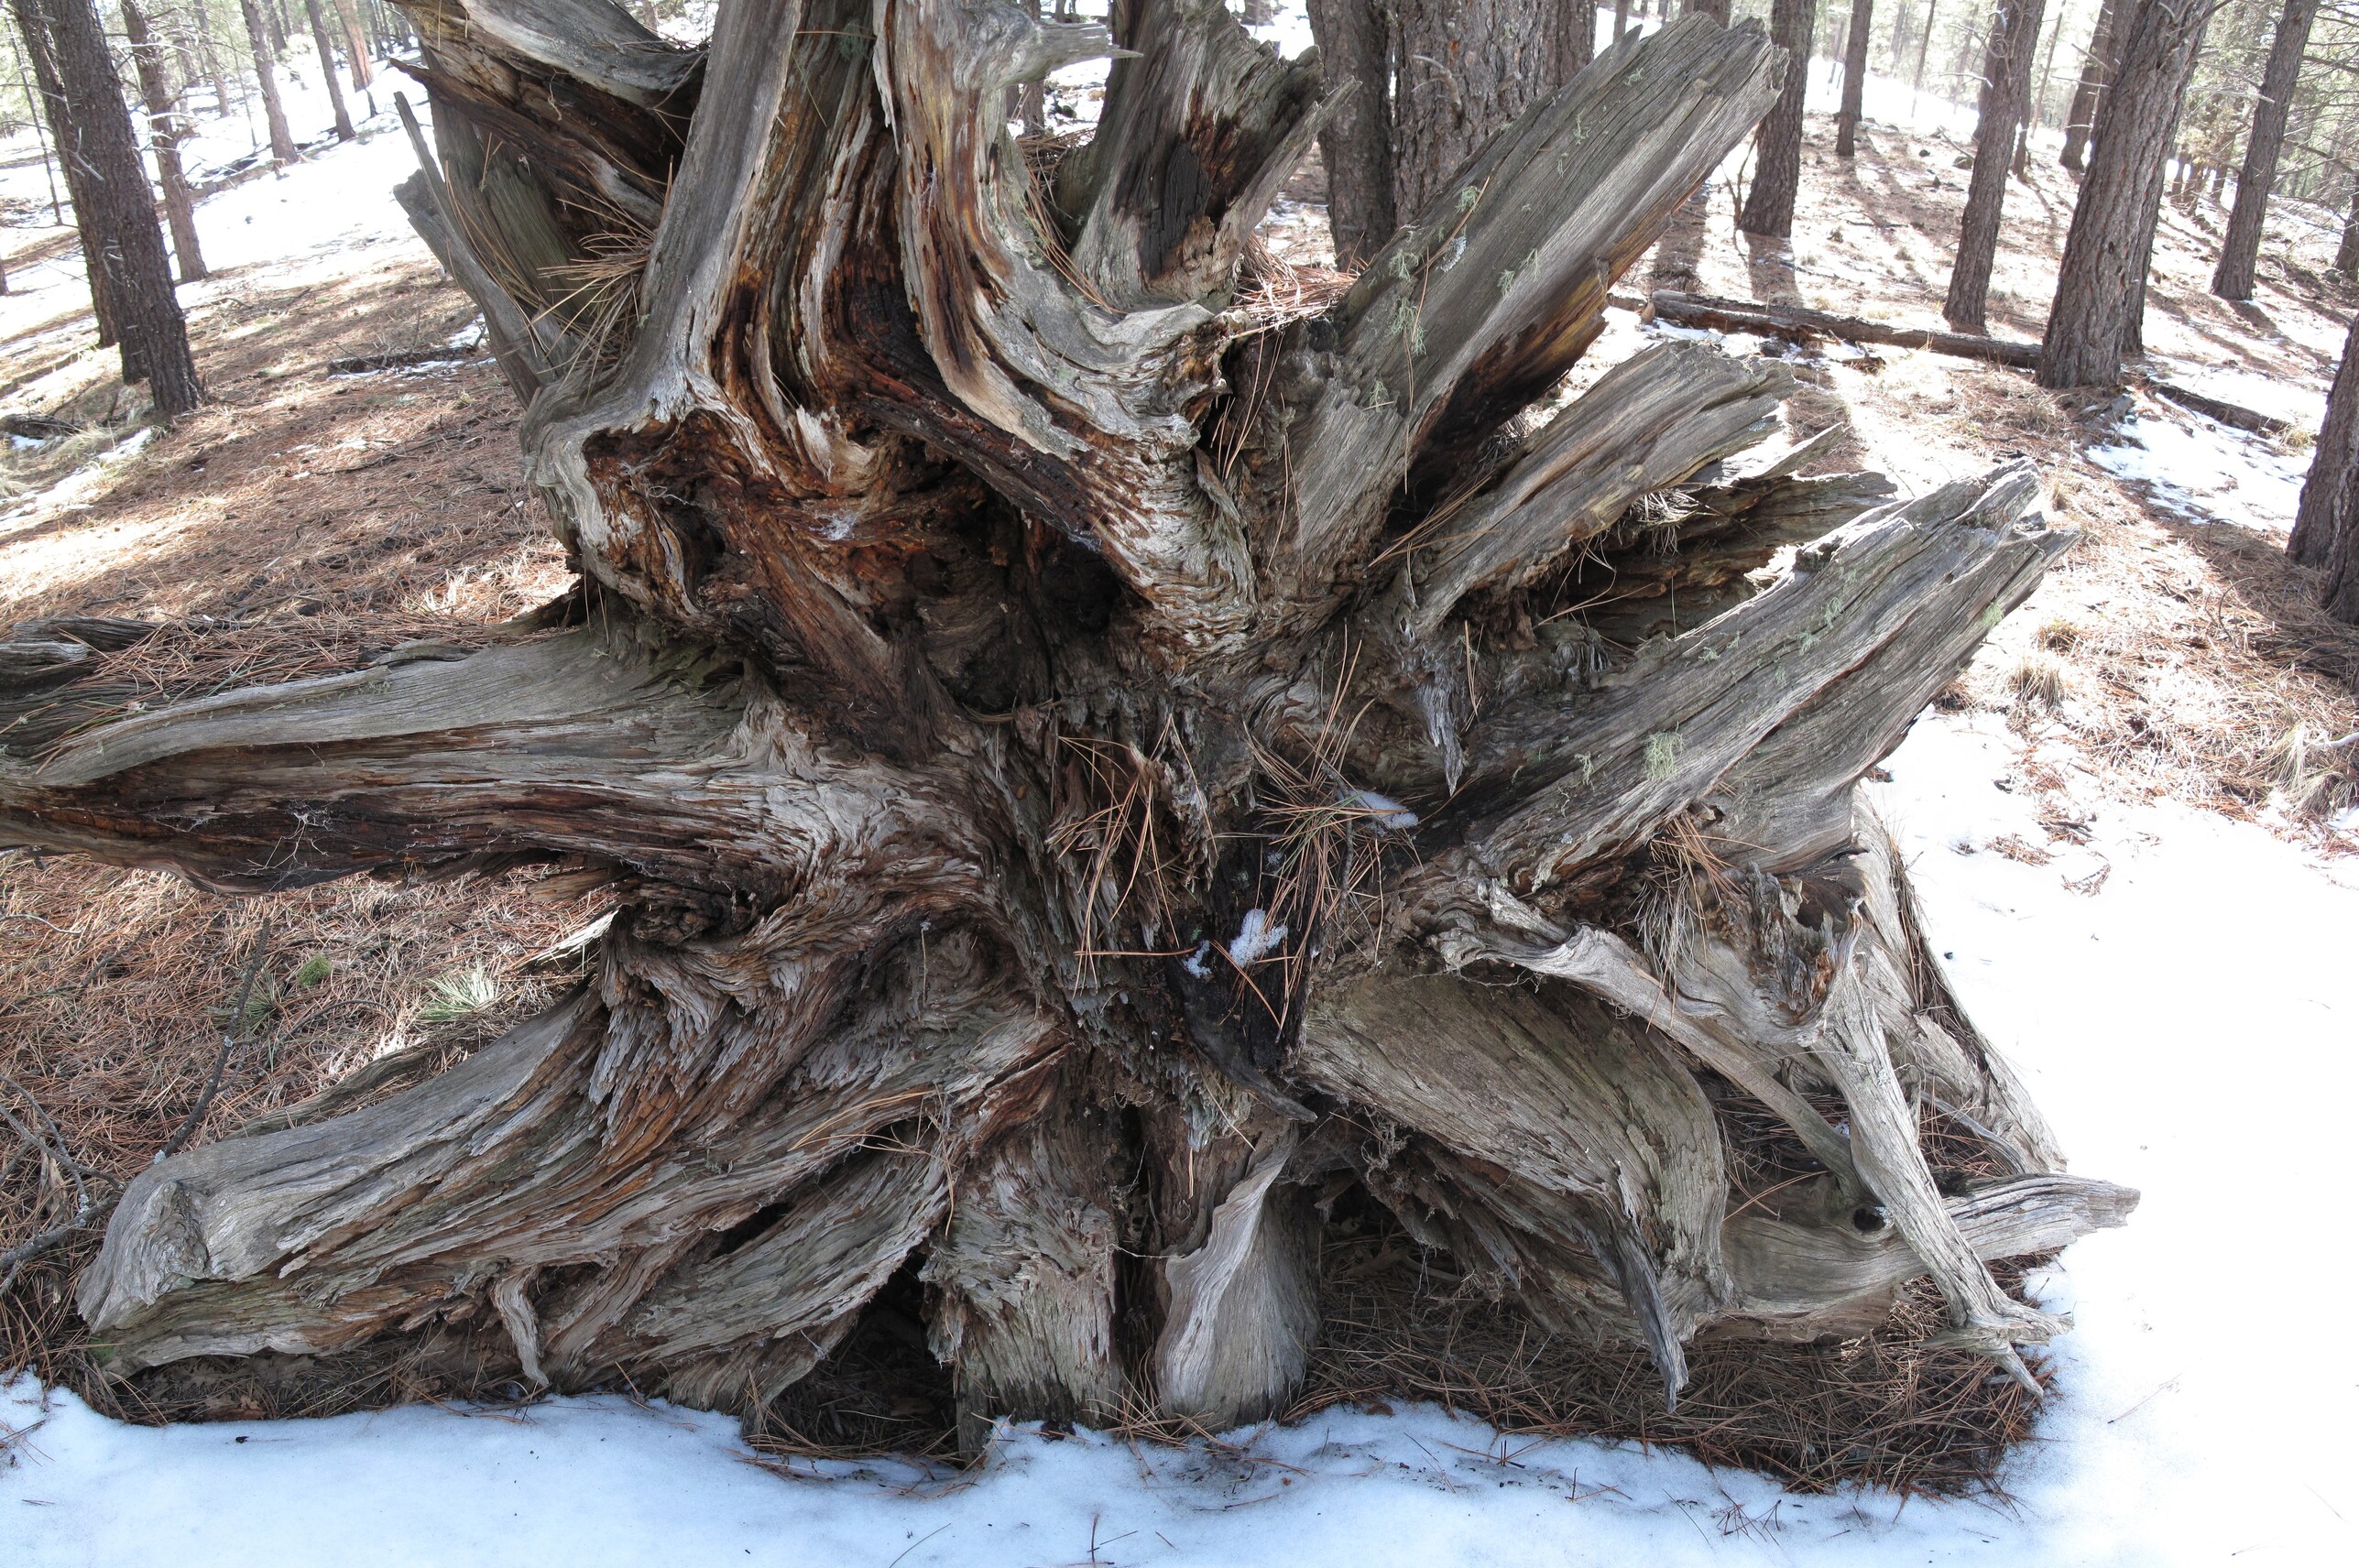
[[2323, 534], [356, 43], [1855, 78], [163, 124], [211, 55], [1066, 733], [1356, 140], [2240, 251], [34, 28], [282, 141], [2134, 315], [2035, 113], [185, 58], [328, 68], [120, 219], [2096, 70], [1466, 68], [2100, 284], [1576, 41], [1777, 156], [2007, 92]]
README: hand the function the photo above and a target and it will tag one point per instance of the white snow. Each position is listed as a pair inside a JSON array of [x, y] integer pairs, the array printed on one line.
[[1382, 810], [2188, 1026], [2300, 399], [2205, 471], [1256, 938], [1890, 101]]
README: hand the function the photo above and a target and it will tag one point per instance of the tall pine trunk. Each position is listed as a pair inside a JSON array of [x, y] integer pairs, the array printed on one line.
[[121, 216], [1576, 41], [1356, 141], [2006, 93], [356, 49], [1463, 69], [164, 128], [320, 41], [35, 30], [1095, 765], [1777, 149], [2324, 534], [1924, 48], [2096, 70], [215, 73], [2240, 250], [282, 140], [1855, 78], [2100, 283]]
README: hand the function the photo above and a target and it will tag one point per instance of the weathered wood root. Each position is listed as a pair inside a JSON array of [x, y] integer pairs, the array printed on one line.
[[705, 1211], [1092, 766]]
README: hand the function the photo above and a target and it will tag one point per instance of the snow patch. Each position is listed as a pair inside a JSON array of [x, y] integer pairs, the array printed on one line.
[[1382, 810], [1256, 938], [2205, 471]]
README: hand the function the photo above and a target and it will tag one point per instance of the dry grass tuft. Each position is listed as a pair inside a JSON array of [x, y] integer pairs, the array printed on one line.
[[597, 298], [2038, 681], [2315, 776], [1273, 292], [1109, 800], [1328, 837]]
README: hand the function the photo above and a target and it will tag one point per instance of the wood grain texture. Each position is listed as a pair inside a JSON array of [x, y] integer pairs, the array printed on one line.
[[1095, 755]]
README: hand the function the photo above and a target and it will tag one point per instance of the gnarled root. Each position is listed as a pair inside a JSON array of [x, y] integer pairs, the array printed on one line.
[[1092, 765]]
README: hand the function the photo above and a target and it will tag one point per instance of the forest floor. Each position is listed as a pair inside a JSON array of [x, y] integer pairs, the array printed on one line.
[[309, 520]]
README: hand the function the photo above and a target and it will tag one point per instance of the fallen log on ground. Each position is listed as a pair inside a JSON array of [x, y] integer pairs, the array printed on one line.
[[1801, 321], [2212, 407], [398, 359], [39, 427], [1801, 324]]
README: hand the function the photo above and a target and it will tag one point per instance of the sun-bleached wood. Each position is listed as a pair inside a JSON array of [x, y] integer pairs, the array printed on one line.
[[1094, 753]]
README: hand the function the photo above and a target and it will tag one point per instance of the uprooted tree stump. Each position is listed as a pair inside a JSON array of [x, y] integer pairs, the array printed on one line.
[[1097, 755]]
